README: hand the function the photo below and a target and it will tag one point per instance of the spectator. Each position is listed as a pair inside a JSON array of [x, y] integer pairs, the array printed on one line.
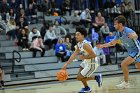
[[43, 29], [11, 29], [37, 45], [73, 42], [23, 39], [46, 7], [76, 19], [50, 37], [22, 23], [65, 6], [110, 37], [100, 55], [60, 50], [31, 14], [54, 7], [1, 77], [13, 5], [11, 14], [68, 48], [105, 30], [85, 17], [95, 37], [33, 33], [4, 8], [59, 30], [107, 55], [100, 20]]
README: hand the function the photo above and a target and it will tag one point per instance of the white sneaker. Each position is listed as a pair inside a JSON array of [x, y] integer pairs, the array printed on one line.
[[123, 85]]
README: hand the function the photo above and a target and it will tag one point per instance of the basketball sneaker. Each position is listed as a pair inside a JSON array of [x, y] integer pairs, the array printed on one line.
[[123, 85], [98, 79], [85, 90]]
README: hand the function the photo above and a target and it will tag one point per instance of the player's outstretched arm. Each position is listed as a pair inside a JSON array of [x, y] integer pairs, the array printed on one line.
[[73, 56], [112, 43]]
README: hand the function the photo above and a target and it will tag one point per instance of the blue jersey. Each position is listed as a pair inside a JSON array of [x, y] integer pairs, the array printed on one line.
[[131, 45]]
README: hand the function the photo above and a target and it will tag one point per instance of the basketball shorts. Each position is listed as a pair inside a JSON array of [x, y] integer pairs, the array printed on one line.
[[135, 55], [89, 67]]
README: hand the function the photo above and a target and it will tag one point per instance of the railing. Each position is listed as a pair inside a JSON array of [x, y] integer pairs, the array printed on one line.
[[15, 59]]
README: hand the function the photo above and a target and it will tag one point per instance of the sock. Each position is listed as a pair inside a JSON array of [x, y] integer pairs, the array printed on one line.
[[86, 87], [2, 82]]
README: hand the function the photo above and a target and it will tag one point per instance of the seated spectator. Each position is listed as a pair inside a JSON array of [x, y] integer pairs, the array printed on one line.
[[31, 14], [33, 33], [43, 29], [22, 23], [54, 7], [50, 37], [46, 6], [3, 25], [65, 6], [76, 18], [73, 42], [1, 77], [59, 30], [110, 37], [107, 54], [37, 45], [11, 29], [95, 37], [23, 40], [10, 15], [99, 20], [85, 17], [60, 50], [105, 30], [100, 55], [68, 48]]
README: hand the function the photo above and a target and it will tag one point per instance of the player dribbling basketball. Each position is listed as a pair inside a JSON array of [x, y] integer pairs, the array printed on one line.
[[88, 66]]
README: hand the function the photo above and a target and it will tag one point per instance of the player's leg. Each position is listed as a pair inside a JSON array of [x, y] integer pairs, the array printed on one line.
[[137, 65], [98, 77], [81, 77], [124, 65]]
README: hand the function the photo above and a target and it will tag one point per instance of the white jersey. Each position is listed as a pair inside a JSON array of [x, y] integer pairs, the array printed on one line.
[[89, 65], [82, 50]]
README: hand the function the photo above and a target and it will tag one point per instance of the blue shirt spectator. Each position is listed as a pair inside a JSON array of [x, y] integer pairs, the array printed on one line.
[[110, 37]]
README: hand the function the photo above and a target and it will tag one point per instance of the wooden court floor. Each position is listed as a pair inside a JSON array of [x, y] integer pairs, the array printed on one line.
[[73, 86]]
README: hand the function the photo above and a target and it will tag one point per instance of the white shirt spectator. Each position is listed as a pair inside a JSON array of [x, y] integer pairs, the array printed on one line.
[[31, 35], [85, 15], [50, 35]]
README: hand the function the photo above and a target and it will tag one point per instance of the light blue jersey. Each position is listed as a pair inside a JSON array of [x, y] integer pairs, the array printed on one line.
[[131, 45]]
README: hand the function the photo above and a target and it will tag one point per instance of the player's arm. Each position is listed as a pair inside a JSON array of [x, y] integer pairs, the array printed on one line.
[[133, 35], [89, 50], [73, 56], [109, 44]]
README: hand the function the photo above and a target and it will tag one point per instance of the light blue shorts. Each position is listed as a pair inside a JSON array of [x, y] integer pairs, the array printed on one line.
[[135, 55]]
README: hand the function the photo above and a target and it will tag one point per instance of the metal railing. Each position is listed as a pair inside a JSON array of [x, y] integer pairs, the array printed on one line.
[[15, 59]]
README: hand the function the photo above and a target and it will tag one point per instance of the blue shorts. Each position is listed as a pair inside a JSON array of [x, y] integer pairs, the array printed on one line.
[[135, 55]]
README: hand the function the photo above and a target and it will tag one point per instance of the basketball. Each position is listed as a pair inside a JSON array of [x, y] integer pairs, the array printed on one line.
[[62, 75]]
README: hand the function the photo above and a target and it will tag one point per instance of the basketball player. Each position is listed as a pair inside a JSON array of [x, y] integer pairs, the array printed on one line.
[[129, 39], [88, 66]]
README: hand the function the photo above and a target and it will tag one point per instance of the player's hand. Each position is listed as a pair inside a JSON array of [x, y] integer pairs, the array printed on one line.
[[99, 46], [81, 57], [130, 35]]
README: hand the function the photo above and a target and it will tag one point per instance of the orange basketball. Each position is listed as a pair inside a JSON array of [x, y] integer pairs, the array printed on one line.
[[62, 75]]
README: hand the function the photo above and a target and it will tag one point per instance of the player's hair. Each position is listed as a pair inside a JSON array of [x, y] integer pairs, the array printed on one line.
[[120, 19], [82, 30]]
